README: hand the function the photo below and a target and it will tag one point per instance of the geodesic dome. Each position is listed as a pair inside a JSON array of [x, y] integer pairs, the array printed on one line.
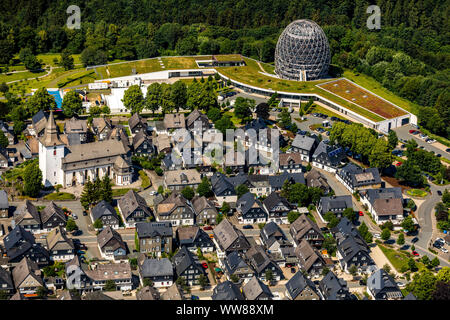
[[302, 52]]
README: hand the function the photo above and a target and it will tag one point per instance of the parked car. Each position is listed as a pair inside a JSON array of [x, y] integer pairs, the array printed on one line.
[[84, 213], [398, 164], [292, 270], [247, 226], [207, 228], [153, 193], [444, 250], [205, 265], [415, 253], [437, 244], [439, 192], [414, 240], [440, 240], [377, 236], [431, 141], [194, 297], [74, 216], [438, 155], [324, 229], [361, 213], [447, 150]]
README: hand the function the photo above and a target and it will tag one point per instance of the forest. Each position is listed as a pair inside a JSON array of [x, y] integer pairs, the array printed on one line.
[[409, 55]]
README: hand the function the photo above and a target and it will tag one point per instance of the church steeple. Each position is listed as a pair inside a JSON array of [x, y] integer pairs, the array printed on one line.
[[51, 135]]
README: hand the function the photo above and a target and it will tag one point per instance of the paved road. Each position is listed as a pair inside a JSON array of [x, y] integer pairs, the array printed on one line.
[[403, 133]]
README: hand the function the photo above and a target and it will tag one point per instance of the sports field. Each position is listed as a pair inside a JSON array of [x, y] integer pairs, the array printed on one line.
[[355, 94]]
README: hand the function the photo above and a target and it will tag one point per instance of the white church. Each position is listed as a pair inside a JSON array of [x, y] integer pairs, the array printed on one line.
[[74, 165]]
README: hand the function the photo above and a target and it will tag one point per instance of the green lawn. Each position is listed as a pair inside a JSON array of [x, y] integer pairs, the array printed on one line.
[[59, 196], [20, 76], [416, 193], [396, 258], [121, 192], [145, 179]]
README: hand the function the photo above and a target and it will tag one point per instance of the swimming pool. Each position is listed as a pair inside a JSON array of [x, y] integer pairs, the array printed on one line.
[[58, 98]]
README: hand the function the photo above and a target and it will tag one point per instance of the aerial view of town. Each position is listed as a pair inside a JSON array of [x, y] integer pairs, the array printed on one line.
[[224, 150]]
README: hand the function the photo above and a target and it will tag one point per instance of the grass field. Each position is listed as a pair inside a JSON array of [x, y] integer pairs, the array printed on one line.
[[347, 90], [417, 193], [8, 77], [59, 196]]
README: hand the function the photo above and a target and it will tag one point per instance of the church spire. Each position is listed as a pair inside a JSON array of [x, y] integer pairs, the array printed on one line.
[[51, 135]]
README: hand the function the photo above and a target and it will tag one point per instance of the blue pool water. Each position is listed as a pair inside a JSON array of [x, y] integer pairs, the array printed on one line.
[[58, 98]]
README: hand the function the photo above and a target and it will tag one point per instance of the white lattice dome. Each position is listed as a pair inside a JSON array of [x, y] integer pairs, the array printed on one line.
[[302, 52]]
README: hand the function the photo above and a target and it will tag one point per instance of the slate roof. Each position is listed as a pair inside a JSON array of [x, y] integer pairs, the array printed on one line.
[[52, 210], [410, 296], [358, 177], [147, 293], [297, 284], [57, 240], [335, 202], [132, 201], [233, 262], [182, 177], [272, 229], [140, 137], [156, 268], [349, 246], [100, 123], [307, 255], [5, 278], [18, 241], [278, 180], [174, 201], [254, 288], [258, 258], [154, 229], [387, 207], [110, 271], [302, 225], [227, 290], [382, 193], [334, 288], [75, 125], [201, 203], [303, 142], [274, 199], [332, 154], [315, 179], [108, 234], [226, 234], [220, 183], [25, 268], [27, 210], [103, 208], [183, 259], [289, 158], [194, 116], [247, 202], [174, 120], [381, 282], [4, 203], [81, 153], [134, 120]]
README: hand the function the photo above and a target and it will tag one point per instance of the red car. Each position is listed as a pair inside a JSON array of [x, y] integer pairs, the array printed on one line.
[[207, 228], [415, 253], [412, 131], [398, 164], [361, 213], [205, 265]]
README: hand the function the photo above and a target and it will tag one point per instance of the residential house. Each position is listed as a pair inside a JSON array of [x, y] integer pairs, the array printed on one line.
[[20, 243], [76, 277], [333, 288], [187, 266], [76, 128], [228, 238], [235, 266], [259, 185], [305, 146], [384, 204], [290, 162], [106, 213], [255, 289], [271, 231], [314, 179], [148, 293], [111, 245], [6, 282], [159, 272], [59, 245], [234, 162], [154, 237], [303, 228], [180, 179], [277, 208], [276, 182], [203, 122], [28, 217], [173, 293], [261, 263], [4, 204], [334, 204], [194, 237], [300, 287], [328, 157], [176, 210], [4, 158], [381, 286], [355, 178], [137, 124], [163, 144], [143, 144], [53, 216], [205, 211], [168, 163], [133, 208], [309, 259], [174, 121], [223, 189], [120, 273], [27, 278], [250, 210], [101, 127], [227, 290], [7, 132], [38, 124]]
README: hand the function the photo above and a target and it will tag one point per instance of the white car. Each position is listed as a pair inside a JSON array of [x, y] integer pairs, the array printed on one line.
[[431, 141], [153, 193], [377, 236], [423, 136], [444, 250]]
